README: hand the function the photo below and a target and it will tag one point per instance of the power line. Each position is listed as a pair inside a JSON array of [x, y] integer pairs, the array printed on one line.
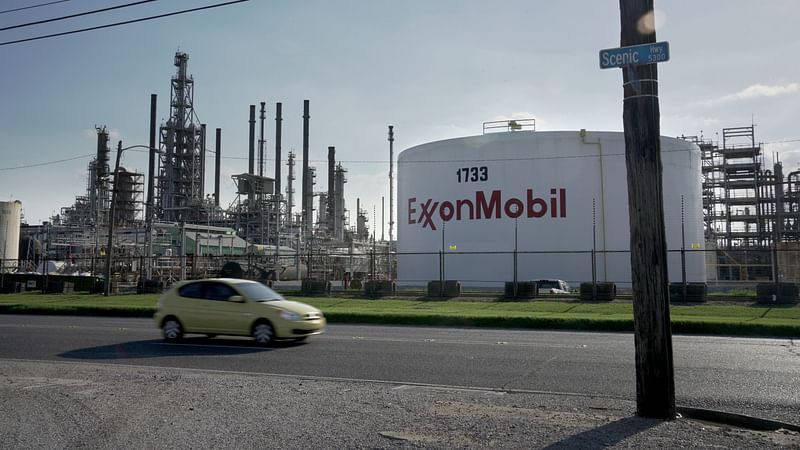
[[126, 22], [32, 6], [46, 163], [86, 13], [381, 161]]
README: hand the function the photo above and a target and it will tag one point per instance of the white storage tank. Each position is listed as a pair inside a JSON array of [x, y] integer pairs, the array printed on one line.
[[10, 218], [554, 196]]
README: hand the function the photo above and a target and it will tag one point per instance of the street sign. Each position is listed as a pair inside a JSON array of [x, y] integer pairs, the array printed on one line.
[[634, 55]]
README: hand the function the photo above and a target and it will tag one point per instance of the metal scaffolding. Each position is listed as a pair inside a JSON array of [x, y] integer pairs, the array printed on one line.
[[180, 179]]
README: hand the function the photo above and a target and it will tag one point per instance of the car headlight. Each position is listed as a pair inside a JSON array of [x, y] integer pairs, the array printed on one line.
[[288, 315]]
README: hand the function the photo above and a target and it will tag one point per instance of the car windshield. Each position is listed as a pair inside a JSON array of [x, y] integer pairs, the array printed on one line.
[[257, 292]]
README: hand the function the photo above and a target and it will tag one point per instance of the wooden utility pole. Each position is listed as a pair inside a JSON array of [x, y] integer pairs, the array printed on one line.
[[655, 379]]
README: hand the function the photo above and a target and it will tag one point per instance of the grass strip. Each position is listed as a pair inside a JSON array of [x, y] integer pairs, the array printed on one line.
[[736, 320]]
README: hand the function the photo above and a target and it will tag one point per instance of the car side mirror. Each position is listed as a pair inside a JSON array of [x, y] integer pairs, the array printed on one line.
[[236, 298]]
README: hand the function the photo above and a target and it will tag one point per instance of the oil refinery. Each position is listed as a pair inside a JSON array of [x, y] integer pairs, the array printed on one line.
[[167, 225], [510, 203]]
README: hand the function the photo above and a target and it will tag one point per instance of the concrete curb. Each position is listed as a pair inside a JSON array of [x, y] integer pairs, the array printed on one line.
[[737, 420]]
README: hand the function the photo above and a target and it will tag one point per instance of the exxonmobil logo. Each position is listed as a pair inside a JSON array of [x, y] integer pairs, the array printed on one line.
[[491, 206]]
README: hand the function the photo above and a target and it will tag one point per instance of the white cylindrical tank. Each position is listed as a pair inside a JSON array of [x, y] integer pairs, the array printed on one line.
[[10, 218], [552, 196]]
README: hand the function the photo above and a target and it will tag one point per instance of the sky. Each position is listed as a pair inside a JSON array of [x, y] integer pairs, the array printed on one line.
[[433, 69]]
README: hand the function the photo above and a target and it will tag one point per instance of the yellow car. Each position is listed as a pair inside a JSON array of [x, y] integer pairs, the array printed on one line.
[[234, 307]]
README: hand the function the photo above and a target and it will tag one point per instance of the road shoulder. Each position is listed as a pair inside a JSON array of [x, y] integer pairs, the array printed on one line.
[[66, 404]]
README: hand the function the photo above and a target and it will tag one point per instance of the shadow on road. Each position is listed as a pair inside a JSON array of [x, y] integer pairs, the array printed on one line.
[[156, 348], [606, 435]]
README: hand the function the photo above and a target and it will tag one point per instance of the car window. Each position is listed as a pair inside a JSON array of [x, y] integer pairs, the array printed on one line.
[[192, 290], [547, 284], [219, 291], [257, 292]]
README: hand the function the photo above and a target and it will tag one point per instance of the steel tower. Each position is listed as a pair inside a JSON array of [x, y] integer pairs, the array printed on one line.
[[180, 180]]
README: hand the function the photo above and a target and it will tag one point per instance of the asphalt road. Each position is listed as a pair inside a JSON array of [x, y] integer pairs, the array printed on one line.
[[759, 377]]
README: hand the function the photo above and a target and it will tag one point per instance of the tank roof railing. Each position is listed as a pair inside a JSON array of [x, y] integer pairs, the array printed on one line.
[[497, 126]]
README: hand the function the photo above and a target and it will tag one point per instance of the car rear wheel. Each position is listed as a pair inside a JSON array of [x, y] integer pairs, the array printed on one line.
[[171, 329], [263, 333]]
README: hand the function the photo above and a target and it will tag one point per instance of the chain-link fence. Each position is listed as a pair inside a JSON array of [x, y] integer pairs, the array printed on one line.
[[408, 272]]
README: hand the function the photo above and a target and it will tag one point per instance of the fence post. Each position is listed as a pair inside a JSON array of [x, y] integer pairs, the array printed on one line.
[[515, 273], [594, 249], [372, 266], [441, 273], [593, 255], [683, 249], [775, 269], [516, 248]]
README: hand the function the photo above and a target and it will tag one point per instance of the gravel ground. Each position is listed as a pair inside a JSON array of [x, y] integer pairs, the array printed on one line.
[[76, 405]]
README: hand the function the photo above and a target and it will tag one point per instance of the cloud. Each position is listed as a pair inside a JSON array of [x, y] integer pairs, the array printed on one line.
[[114, 135], [752, 92], [89, 133], [515, 115]]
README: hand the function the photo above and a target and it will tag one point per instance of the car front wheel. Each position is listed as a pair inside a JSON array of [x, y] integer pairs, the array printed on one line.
[[172, 329], [263, 333]]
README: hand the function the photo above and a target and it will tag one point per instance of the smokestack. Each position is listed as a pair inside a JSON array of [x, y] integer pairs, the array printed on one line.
[[306, 204], [202, 160], [779, 199], [251, 156], [290, 188], [151, 168], [331, 190], [278, 120], [391, 184], [261, 140], [383, 211], [217, 160]]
